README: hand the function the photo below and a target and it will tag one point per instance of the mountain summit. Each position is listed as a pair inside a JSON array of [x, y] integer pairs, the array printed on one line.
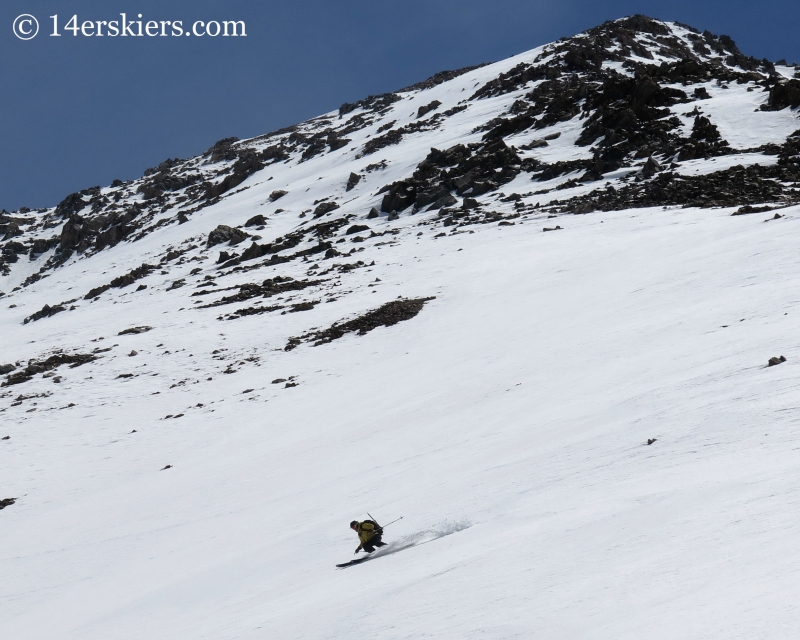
[[534, 307], [577, 121]]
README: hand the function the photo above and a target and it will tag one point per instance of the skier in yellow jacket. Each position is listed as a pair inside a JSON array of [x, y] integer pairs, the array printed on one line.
[[369, 533]]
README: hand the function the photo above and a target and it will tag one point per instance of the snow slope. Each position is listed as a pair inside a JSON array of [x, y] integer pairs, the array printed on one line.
[[507, 422]]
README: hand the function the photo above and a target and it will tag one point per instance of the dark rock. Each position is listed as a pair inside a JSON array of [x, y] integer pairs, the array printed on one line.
[[378, 166], [651, 440], [278, 380], [41, 246], [556, 228], [352, 181], [270, 287], [774, 361], [111, 237], [737, 186], [378, 104], [431, 106], [534, 144], [6, 368], [302, 306], [438, 78], [277, 195], [75, 202], [177, 284], [169, 466], [393, 215], [53, 362], [256, 221], [356, 228], [446, 200], [45, 312], [747, 209], [129, 278], [385, 316], [74, 235], [246, 165], [12, 230], [470, 203], [163, 179], [703, 129], [222, 150], [373, 213], [135, 330], [325, 207], [479, 168], [650, 168], [394, 136], [224, 233], [701, 93], [782, 95], [334, 142], [7, 502]]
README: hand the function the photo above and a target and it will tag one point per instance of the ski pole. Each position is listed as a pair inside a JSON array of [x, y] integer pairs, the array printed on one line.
[[392, 522]]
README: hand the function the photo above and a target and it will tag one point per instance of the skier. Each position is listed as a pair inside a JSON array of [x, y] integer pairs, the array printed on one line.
[[369, 533]]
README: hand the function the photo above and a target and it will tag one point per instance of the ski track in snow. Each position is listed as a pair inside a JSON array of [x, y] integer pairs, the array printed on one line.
[[435, 532]]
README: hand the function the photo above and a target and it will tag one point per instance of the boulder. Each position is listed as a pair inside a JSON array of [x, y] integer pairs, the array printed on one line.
[[325, 207], [256, 221], [446, 200], [352, 181], [12, 230], [431, 106], [356, 228], [650, 168], [224, 233]]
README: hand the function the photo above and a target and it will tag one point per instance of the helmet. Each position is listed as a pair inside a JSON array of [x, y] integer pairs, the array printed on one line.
[[353, 523]]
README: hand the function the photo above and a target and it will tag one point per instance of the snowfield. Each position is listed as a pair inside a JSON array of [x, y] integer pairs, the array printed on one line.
[[519, 402], [172, 489]]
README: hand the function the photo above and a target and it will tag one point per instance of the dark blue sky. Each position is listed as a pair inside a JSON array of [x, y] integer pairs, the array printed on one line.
[[81, 111]]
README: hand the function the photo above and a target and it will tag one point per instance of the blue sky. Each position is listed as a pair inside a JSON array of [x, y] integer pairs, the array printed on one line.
[[80, 111]]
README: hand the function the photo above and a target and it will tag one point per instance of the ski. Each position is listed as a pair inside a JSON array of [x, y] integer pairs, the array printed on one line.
[[353, 562]]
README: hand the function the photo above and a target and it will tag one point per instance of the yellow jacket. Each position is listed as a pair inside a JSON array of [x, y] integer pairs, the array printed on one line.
[[366, 531]]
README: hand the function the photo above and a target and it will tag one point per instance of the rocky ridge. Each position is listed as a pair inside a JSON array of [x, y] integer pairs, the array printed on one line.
[[633, 113]]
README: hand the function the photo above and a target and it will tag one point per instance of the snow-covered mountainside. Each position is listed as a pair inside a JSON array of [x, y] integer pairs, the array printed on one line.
[[534, 307]]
